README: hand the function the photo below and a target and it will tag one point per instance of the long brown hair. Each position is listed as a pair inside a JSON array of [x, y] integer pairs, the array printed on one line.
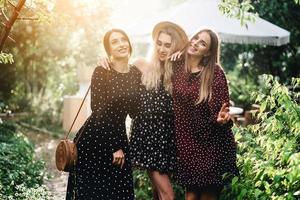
[[106, 40], [209, 63]]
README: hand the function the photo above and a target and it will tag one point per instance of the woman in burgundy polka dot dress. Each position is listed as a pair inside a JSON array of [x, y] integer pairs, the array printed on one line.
[[205, 143]]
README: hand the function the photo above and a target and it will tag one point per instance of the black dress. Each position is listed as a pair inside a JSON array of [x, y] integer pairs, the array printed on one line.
[[113, 96], [152, 144]]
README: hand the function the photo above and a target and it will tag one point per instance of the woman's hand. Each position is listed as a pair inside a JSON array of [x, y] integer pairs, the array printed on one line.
[[175, 56], [119, 158], [103, 62], [223, 116]]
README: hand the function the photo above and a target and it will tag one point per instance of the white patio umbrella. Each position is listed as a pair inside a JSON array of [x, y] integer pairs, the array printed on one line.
[[193, 15]]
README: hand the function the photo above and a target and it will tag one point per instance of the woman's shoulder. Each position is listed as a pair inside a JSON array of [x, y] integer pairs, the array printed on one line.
[[180, 61], [142, 64], [134, 69], [100, 69], [219, 69], [178, 65], [99, 73], [219, 72]]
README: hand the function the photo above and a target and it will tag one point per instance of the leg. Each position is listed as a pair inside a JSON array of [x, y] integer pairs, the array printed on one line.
[[162, 185], [154, 191], [211, 193], [190, 196], [155, 194], [208, 196]]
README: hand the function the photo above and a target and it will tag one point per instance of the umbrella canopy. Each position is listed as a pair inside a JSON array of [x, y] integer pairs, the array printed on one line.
[[193, 15]]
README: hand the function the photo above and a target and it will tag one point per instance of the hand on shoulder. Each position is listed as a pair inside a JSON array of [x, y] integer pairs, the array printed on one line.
[[103, 62], [142, 64]]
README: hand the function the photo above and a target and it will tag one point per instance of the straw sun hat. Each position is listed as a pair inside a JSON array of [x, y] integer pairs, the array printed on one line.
[[165, 24]]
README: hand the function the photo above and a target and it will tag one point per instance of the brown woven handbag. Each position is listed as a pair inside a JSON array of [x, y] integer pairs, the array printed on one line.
[[66, 151]]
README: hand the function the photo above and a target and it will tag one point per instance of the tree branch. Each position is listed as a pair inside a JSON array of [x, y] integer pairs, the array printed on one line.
[[10, 22]]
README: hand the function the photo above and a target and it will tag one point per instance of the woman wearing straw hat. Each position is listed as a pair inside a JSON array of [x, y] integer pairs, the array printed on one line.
[[152, 142]]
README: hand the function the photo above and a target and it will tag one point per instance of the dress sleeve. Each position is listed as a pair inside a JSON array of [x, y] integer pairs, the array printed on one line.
[[98, 90], [220, 95], [138, 87], [178, 64], [100, 103]]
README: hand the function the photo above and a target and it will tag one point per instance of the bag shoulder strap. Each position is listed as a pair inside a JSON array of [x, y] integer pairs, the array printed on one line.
[[67, 135]]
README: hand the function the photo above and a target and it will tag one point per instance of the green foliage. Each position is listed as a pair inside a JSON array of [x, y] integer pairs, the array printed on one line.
[[242, 82], [21, 176], [279, 61], [6, 58], [2, 3], [241, 10], [142, 185], [268, 152], [25, 193], [49, 56], [240, 91]]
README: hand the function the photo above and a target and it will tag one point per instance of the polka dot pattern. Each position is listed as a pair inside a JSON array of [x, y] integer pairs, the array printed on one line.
[[152, 141], [113, 96], [205, 149]]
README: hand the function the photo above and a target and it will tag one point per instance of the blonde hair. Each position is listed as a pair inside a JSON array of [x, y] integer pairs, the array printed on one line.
[[152, 78], [209, 63]]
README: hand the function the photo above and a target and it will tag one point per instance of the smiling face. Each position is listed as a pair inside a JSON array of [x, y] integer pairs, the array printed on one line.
[[163, 46], [200, 45], [119, 46]]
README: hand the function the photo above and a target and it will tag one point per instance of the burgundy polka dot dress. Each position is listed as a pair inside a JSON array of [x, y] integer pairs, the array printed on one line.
[[205, 149], [113, 96]]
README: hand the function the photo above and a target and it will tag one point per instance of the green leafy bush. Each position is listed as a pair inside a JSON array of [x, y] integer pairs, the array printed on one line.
[[240, 91], [243, 80], [44, 70], [268, 152], [142, 185], [6, 58], [24, 193], [21, 176]]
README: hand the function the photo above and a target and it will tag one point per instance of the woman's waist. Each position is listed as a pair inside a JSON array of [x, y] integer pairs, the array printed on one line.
[[149, 114], [155, 108]]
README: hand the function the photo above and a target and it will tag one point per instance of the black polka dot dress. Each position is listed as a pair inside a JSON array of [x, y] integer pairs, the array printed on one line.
[[113, 96], [205, 149], [152, 141]]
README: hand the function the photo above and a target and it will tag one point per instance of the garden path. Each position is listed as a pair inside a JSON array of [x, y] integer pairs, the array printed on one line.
[[45, 146]]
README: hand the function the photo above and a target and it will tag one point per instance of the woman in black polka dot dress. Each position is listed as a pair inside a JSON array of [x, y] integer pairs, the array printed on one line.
[[152, 140], [205, 144], [103, 170]]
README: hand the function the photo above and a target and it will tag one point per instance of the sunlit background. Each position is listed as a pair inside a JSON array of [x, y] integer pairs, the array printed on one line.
[[57, 43], [53, 48]]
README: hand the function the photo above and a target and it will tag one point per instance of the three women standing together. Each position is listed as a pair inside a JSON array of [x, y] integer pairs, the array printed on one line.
[[179, 120]]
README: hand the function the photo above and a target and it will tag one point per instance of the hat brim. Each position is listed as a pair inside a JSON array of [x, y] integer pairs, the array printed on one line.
[[165, 24]]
